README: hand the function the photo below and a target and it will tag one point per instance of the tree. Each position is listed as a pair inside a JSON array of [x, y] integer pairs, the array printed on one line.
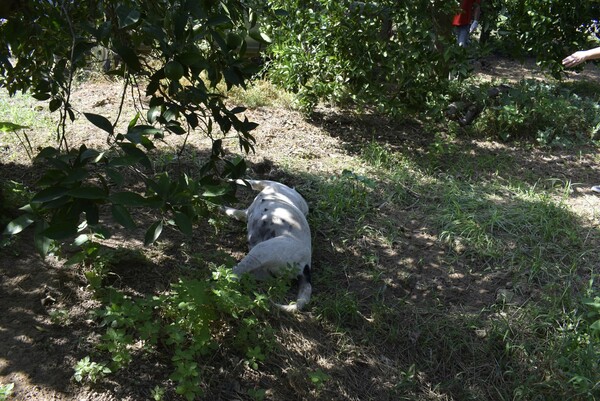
[[173, 51], [334, 49]]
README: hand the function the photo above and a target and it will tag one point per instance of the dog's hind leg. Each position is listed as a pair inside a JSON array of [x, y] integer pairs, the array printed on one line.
[[269, 258], [304, 292]]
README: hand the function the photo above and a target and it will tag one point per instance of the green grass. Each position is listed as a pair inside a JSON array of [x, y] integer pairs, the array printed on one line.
[[544, 346], [261, 93], [23, 110]]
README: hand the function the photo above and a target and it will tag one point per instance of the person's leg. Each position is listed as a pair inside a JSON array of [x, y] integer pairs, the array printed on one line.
[[462, 35]]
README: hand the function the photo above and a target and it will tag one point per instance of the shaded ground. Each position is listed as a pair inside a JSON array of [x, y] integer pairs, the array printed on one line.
[[39, 345]]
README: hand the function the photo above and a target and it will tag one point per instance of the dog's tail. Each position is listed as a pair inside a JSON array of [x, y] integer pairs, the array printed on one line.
[[304, 292]]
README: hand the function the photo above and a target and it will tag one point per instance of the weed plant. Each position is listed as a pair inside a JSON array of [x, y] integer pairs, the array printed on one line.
[[550, 114], [192, 320]]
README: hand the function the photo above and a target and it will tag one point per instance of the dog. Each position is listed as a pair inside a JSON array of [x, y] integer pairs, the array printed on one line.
[[279, 237]]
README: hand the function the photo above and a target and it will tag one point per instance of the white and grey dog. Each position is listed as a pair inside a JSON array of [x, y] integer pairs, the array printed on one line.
[[278, 236]]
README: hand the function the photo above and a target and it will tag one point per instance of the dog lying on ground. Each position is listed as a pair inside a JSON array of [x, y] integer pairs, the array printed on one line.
[[278, 236]]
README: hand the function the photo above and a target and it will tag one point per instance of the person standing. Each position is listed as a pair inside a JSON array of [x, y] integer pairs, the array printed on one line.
[[577, 58], [466, 21]]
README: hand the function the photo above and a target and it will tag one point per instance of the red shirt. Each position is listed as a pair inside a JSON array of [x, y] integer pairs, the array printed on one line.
[[465, 17]]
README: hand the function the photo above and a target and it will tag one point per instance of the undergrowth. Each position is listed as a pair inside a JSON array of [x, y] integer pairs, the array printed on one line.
[[545, 347], [193, 319], [539, 339]]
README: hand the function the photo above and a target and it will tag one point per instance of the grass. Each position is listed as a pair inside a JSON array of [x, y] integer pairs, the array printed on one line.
[[25, 111], [447, 275], [536, 344]]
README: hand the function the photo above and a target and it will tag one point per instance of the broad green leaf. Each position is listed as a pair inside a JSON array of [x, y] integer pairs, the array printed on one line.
[[134, 152], [18, 225], [259, 36], [41, 96], [91, 154], [49, 194], [596, 326], [129, 57], [183, 223], [88, 193], [41, 242], [122, 216], [138, 133], [153, 233], [100, 121], [76, 175], [127, 16], [61, 230], [101, 232], [76, 259], [5, 126], [594, 303], [211, 191], [115, 176], [55, 105], [134, 121], [128, 199], [220, 20], [153, 114]]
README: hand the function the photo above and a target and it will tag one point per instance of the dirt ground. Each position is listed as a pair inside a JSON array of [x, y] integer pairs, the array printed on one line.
[[38, 355]]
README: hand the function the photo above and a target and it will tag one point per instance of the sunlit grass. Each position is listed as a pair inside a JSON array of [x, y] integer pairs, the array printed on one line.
[[38, 131]]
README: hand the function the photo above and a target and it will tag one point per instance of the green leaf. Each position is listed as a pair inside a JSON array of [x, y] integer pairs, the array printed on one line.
[[127, 16], [101, 232], [61, 230], [211, 191], [595, 326], [594, 303], [153, 114], [100, 121], [55, 105], [183, 223], [91, 154], [76, 259], [115, 176], [136, 153], [259, 36], [41, 242], [220, 20], [88, 193], [138, 133], [128, 199], [5, 126], [18, 225], [49, 194], [129, 57], [122, 216], [134, 120], [153, 233], [41, 96]]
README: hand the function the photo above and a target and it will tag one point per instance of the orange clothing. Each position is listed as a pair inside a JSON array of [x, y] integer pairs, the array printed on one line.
[[465, 17]]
